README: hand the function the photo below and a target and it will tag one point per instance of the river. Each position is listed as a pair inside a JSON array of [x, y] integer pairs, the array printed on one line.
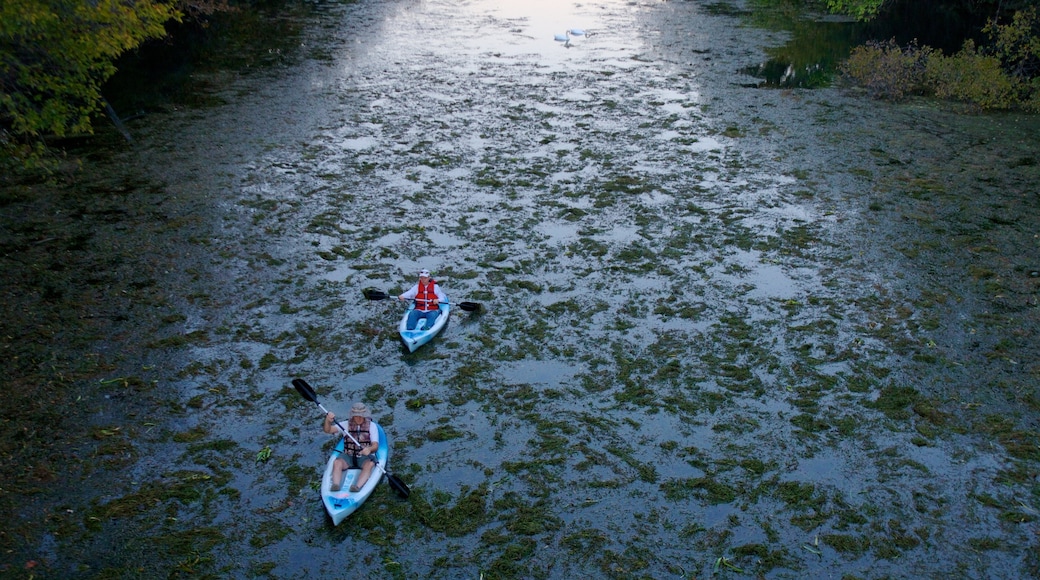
[[725, 330]]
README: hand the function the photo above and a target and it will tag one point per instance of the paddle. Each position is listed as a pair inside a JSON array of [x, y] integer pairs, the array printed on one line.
[[373, 294], [308, 393]]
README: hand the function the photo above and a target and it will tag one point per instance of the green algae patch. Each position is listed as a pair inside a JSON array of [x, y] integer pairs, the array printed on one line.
[[269, 532], [183, 487], [895, 401], [810, 423], [798, 495], [585, 543], [1020, 443], [762, 559], [525, 518], [706, 489], [444, 433], [467, 513], [191, 435], [847, 544]]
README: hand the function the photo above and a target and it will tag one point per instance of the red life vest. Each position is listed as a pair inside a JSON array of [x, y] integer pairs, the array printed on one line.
[[361, 433], [424, 298]]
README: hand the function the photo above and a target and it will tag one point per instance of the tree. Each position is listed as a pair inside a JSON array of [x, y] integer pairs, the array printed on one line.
[[54, 57], [980, 10], [860, 9]]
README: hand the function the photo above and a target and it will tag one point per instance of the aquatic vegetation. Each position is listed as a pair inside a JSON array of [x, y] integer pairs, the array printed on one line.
[[467, 514], [721, 327], [264, 455]]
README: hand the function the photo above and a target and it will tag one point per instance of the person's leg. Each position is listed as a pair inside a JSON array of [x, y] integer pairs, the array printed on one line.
[[338, 467], [362, 478], [431, 317], [413, 317]]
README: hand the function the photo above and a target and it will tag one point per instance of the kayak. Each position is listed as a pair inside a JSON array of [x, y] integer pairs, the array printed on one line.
[[413, 339], [342, 503]]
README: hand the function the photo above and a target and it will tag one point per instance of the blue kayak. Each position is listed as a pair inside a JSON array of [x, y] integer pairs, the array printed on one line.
[[413, 339], [342, 503]]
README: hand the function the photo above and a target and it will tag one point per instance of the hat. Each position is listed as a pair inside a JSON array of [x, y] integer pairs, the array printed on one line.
[[360, 410], [424, 272]]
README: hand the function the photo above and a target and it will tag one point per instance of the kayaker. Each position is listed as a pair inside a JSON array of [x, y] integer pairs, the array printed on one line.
[[354, 456], [427, 295]]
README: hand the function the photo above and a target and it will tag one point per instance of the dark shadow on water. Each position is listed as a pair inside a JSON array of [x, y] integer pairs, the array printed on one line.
[[258, 35]]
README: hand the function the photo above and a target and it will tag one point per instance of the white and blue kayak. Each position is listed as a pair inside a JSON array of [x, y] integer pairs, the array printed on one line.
[[413, 339], [420, 335], [342, 503]]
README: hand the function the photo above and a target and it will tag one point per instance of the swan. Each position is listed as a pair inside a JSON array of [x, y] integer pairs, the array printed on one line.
[[566, 36]]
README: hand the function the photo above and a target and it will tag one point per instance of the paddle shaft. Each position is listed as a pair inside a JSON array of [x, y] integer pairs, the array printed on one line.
[[372, 294]]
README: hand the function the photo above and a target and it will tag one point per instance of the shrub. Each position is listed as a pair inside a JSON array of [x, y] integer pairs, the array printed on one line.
[[972, 78], [1031, 100], [887, 70], [1004, 74]]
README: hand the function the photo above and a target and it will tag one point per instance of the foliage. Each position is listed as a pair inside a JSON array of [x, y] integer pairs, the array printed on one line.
[[860, 9], [1003, 75], [971, 77], [1030, 98], [887, 70], [1017, 44], [978, 10], [54, 56]]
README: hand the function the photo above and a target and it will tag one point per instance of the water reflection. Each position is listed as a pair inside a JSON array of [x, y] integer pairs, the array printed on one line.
[[810, 59], [780, 74]]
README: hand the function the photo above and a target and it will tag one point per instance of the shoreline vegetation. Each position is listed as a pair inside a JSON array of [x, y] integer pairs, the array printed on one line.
[[59, 55], [1002, 75]]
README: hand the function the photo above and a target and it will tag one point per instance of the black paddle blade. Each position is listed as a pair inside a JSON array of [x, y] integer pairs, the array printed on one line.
[[470, 306], [305, 390], [398, 485], [373, 294]]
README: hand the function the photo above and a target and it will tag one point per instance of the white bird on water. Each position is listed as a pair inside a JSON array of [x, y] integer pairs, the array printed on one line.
[[566, 36]]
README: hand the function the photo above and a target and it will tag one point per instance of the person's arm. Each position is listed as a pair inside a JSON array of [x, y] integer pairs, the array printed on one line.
[[373, 436], [410, 294], [441, 296], [330, 426]]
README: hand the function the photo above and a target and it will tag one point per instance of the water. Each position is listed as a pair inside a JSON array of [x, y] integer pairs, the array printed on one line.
[[703, 304]]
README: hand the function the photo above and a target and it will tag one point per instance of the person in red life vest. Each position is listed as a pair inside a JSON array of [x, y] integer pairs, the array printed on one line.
[[354, 456], [427, 295]]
